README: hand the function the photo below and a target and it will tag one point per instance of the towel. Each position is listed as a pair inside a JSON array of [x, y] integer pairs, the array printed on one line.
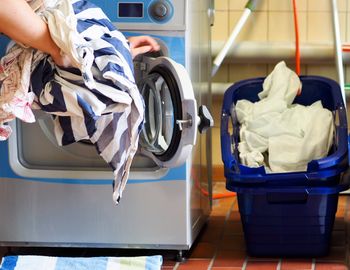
[[29, 262], [98, 100], [279, 135]]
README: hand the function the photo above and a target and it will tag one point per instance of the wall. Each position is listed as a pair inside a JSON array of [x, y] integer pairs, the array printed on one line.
[[272, 22]]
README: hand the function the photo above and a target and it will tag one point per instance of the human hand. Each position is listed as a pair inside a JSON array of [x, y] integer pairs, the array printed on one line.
[[142, 44]]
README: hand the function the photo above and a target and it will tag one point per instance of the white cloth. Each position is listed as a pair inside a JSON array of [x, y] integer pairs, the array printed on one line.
[[62, 23], [279, 135]]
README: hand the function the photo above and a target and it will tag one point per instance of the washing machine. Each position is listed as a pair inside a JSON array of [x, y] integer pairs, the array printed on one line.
[[61, 196]]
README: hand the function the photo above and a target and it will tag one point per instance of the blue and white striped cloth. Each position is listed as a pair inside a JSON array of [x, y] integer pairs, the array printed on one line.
[[99, 101], [29, 262]]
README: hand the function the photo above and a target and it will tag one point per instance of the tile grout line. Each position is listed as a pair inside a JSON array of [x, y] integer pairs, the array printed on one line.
[[221, 235]]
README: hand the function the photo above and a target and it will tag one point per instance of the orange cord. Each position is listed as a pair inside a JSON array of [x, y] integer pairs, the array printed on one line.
[[218, 195], [296, 29], [346, 48], [214, 196], [223, 195]]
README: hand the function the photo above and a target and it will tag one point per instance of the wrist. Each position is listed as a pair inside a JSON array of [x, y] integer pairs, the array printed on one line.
[[55, 52]]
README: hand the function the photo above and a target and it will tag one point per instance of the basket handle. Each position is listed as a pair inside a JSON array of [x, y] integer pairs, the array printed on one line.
[[225, 136], [226, 152], [299, 197]]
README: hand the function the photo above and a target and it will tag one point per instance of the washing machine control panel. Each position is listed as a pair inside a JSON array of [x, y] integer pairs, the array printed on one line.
[[145, 14]]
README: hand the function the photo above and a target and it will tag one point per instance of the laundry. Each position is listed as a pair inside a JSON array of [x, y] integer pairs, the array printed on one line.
[[96, 101], [278, 134], [15, 99]]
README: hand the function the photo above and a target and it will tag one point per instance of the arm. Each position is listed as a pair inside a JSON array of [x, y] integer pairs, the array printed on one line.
[[19, 22]]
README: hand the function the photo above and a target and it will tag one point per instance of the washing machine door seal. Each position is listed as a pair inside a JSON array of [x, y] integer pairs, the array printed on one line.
[[171, 120]]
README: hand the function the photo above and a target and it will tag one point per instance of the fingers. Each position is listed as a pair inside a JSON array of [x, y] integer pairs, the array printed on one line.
[[142, 44], [141, 50], [151, 42], [142, 41]]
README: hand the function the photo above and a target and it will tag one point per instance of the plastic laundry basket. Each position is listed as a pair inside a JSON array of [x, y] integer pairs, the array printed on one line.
[[287, 214], [288, 221], [323, 171]]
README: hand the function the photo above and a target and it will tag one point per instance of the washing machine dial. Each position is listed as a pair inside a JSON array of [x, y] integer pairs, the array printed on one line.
[[160, 10]]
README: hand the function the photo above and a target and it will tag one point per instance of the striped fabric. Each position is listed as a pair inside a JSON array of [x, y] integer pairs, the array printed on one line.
[[29, 262], [99, 101]]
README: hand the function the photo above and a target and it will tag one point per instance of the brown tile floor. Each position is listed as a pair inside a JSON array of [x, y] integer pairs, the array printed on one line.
[[221, 245]]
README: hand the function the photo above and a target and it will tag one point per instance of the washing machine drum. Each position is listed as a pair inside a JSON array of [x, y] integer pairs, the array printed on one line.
[[161, 134], [171, 120]]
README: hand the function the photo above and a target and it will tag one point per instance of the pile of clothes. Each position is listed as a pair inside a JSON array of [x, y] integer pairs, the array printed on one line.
[[280, 135], [97, 100]]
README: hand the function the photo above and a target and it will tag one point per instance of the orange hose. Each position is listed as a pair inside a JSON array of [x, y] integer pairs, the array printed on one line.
[[346, 49], [297, 48], [223, 195], [214, 196]]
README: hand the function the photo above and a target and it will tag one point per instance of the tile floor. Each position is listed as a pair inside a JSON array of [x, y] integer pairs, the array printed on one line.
[[221, 246]]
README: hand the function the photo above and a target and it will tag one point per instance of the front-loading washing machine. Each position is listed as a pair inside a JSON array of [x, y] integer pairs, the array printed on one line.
[[54, 195]]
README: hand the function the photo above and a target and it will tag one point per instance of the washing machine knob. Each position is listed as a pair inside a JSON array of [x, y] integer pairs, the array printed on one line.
[[160, 10]]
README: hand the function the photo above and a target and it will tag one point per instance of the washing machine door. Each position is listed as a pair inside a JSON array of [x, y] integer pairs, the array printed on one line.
[[171, 121]]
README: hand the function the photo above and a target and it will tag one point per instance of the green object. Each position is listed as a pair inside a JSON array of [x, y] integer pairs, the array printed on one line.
[[251, 4]]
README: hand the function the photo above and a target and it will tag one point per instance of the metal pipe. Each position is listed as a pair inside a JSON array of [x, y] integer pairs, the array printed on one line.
[[223, 52], [250, 6], [338, 49], [219, 88], [272, 52]]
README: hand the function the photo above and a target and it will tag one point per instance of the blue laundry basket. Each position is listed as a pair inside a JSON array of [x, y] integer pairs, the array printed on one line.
[[287, 214], [288, 221], [323, 171]]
